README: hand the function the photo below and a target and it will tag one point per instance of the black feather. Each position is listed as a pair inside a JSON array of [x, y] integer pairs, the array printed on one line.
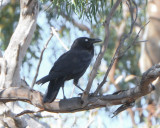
[[70, 65], [53, 89]]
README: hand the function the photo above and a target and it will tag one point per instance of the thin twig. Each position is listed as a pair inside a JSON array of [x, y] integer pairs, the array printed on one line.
[[40, 60], [134, 41], [61, 42], [28, 112], [47, 9], [90, 119], [44, 48], [25, 112], [141, 41], [81, 26]]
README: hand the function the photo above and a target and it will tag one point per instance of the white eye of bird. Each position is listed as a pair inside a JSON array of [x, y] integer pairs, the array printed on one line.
[[86, 40]]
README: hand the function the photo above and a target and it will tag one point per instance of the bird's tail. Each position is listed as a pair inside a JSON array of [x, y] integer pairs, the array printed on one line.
[[44, 80], [53, 89]]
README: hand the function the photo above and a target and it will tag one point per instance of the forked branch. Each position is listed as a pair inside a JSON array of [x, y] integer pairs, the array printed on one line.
[[132, 6], [101, 54]]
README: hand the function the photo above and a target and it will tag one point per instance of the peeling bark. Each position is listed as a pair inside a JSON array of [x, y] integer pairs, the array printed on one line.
[[11, 61], [20, 41]]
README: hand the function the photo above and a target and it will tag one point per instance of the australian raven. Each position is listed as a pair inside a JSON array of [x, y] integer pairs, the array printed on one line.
[[70, 65]]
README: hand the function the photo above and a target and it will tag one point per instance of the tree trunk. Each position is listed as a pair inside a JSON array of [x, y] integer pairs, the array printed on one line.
[[150, 51], [11, 61]]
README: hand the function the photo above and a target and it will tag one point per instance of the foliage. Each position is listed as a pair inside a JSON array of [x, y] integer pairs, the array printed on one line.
[[9, 18], [84, 8]]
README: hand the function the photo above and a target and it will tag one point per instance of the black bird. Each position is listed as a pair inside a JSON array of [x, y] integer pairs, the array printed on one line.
[[70, 65]]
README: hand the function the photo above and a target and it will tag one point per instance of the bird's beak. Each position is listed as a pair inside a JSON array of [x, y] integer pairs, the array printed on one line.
[[95, 40]]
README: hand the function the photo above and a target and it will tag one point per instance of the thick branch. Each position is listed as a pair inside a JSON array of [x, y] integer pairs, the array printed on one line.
[[74, 104]]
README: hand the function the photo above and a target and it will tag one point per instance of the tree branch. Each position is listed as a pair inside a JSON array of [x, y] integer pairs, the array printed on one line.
[[101, 54], [125, 36], [61, 42], [74, 104], [80, 26], [40, 59]]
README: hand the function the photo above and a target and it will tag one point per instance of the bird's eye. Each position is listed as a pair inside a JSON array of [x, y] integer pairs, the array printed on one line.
[[86, 40]]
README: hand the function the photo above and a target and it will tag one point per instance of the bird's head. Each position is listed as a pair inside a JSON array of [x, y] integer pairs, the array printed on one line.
[[84, 43]]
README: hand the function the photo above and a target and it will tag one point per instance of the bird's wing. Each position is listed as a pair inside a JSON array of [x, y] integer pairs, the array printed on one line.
[[71, 63]]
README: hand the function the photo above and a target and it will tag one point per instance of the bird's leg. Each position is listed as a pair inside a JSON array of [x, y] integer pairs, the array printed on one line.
[[64, 97], [76, 84], [79, 88]]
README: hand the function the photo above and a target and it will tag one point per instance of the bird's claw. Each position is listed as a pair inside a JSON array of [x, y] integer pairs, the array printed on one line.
[[90, 94], [64, 98], [80, 94]]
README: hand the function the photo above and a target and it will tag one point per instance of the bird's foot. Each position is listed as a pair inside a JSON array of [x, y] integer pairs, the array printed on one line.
[[90, 94], [80, 94], [64, 98], [79, 87], [118, 92]]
